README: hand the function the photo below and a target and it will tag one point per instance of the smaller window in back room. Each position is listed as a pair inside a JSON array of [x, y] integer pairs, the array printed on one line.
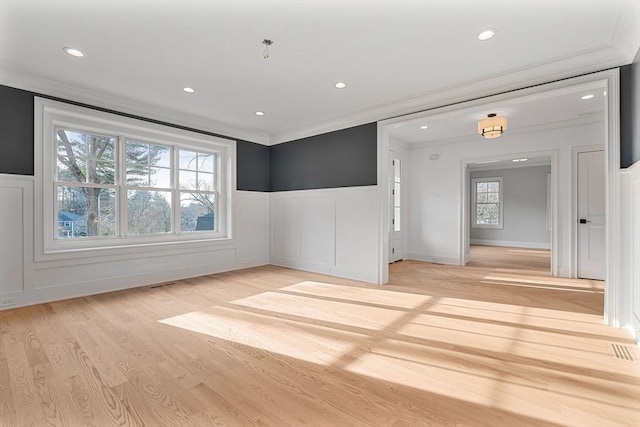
[[487, 203]]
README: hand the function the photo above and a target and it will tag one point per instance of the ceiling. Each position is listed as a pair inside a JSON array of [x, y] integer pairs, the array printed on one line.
[[395, 57], [524, 114]]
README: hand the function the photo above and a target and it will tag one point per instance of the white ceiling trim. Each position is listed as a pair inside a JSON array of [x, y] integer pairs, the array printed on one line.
[[593, 61], [541, 72], [20, 79]]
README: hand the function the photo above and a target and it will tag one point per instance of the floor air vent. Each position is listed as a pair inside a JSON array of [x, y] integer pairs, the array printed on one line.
[[622, 352], [161, 285]]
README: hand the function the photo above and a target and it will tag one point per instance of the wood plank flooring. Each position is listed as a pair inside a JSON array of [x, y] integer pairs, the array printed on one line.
[[496, 343]]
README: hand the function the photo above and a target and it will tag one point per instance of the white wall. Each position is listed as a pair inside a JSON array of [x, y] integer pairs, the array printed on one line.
[[31, 282], [629, 308], [524, 205], [332, 231], [435, 188]]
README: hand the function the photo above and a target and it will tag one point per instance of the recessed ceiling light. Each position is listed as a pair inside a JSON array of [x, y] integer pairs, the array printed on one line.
[[188, 89], [259, 113], [73, 52], [340, 85], [486, 34], [605, 93], [424, 127], [588, 96], [519, 160]]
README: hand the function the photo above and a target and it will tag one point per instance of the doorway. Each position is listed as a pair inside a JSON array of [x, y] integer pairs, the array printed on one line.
[[511, 202]]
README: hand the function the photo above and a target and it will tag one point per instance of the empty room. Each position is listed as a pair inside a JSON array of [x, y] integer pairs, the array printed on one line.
[[319, 213]]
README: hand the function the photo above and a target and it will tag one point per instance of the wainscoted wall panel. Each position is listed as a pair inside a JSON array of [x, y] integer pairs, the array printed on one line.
[[24, 282], [16, 194], [327, 231], [252, 227], [285, 228], [318, 226], [630, 249], [357, 244]]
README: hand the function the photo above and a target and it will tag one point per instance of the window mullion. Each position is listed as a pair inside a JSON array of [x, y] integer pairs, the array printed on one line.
[[175, 190], [122, 191]]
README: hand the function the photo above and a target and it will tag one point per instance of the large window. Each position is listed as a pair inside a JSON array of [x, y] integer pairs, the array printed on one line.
[[487, 203], [107, 181]]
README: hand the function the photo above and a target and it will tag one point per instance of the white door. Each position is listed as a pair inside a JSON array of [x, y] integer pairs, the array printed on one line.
[[395, 233], [591, 215]]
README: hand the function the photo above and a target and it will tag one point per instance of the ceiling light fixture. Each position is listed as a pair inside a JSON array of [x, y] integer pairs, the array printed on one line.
[[259, 113], [73, 52], [265, 52], [493, 126], [340, 85], [587, 96], [519, 160], [424, 127], [188, 89], [486, 34]]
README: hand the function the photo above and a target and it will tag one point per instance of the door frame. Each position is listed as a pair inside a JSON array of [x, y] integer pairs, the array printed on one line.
[[574, 202], [611, 80], [465, 206]]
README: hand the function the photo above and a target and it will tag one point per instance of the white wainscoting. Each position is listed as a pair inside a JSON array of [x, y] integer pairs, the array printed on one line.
[[332, 231], [16, 237], [629, 297], [25, 282]]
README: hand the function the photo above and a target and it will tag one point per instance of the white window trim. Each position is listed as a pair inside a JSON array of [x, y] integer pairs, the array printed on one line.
[[474, 223], [49, 114]]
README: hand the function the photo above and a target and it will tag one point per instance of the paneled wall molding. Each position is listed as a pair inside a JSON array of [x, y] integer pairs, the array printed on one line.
[[331, 231], [26, 282], [16, 242], [630, 250]]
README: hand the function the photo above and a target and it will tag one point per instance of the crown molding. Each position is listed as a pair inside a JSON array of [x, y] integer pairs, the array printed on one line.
[[20, 79], [560, 124], [568, 66]]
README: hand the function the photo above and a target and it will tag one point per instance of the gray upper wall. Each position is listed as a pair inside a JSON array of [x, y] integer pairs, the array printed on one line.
[[16, 140], [343, 158], [630, 113]]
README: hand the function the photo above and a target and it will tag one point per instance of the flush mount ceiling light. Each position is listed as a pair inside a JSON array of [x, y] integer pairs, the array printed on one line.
[[486, 34], [259, 113], [519, 160], [424, 127], [340, 85], [73, 52], [265, 52], [493, 126], [188, 89], [587, 96]]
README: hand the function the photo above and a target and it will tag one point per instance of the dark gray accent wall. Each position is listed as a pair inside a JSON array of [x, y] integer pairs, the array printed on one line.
[[252, 167], [630, 113], [343, 158], [16, 131], [16, 140]]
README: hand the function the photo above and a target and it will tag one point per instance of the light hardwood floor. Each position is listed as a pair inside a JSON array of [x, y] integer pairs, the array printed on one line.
[[496, 343]]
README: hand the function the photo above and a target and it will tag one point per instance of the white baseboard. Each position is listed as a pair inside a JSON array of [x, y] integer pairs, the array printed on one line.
[[435, 259], [330, 270], [507, 243]]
